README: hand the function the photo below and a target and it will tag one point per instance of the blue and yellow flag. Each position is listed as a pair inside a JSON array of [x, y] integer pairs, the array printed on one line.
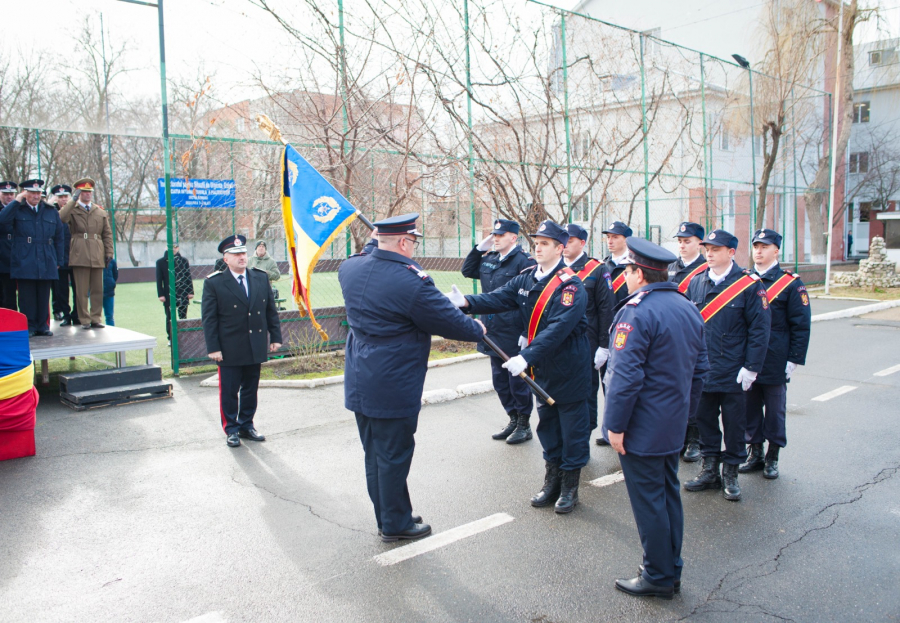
[[314, 213]]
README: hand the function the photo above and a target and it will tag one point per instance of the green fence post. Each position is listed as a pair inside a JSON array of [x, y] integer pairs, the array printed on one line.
[[753, 207], [644, 139], [37, 138], [565, 68], [794, 150], [469, 133], [705, 143]]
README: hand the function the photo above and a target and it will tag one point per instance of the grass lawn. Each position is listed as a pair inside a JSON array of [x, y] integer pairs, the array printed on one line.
[[879, 294]]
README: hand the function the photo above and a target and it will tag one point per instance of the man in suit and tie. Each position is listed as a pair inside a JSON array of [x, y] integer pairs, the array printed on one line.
[[239, 318]]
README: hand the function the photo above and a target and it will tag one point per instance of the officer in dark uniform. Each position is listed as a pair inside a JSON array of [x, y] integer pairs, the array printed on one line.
[[656, 371], [38, 246], [689, 264], [616, 237], [788, 343], [61, 309], [495, 268], [735, 309], [7, 283], [239, 318], [552, 301], [601, 300], [393, 309]]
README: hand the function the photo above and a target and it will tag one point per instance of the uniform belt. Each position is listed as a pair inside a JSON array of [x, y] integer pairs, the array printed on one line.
[[410, 337], [29, 240], [96, 236]]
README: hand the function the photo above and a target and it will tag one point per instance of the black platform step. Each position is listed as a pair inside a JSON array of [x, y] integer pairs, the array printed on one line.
[[74, 382], [122, 394]]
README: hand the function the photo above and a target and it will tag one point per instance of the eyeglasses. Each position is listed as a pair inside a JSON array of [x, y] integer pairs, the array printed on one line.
[[414, 242]]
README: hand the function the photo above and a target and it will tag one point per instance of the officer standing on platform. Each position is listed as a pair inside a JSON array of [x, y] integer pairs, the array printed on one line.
[[689, 264], [495, 268], [239, 318], [7, 283], [393, 309], [552, 301], [788, 343], [616, 239], [656, 371], [599, 313], [61, 309], [734, 307]]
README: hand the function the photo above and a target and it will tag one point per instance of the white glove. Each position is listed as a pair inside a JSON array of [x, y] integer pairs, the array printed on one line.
[[516, 365], [456, 297], [746, 378], [789, 369], [523, 342], [600, 357], [487, 244]]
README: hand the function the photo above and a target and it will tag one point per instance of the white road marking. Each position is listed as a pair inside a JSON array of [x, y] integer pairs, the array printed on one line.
[[433, 542], [840, 391], [611, 479], [209, 617], [888, 371]]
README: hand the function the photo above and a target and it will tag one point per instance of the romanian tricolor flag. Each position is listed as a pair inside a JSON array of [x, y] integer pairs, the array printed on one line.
[[314, 213], [18, 397]]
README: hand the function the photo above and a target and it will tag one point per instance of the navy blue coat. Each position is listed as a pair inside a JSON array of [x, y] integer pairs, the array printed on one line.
[[678, 271], [601, 301], [38, 240], [393, 309], [5, 246], [736, 337], [614, 271], [504, 327], [560, 353], [791, 322], [68, 245], [657, 365]]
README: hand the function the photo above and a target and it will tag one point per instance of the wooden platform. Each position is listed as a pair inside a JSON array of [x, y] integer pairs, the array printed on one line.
[[73, 341]]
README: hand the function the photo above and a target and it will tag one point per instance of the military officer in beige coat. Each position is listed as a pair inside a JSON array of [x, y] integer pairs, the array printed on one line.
[[91, 250]]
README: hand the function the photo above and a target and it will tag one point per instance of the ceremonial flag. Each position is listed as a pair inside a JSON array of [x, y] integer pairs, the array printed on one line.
[[314, 213], [18, 397]]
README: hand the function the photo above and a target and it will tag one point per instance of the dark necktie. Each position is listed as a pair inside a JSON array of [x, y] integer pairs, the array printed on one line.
[[243, 287]]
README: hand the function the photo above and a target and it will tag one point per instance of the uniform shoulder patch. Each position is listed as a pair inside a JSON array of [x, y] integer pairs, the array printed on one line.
[[568, 295], [525, 270], [637, 298], [788, 272], [764, 298], [753, 275], [421, 273], [214, 273], [259, 269], [621, 338]]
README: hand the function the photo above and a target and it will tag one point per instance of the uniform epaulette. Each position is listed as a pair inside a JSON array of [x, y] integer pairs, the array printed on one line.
[[637, 298], [259, 269], [421, 273], [789, 272], [752, 275], [214, 273], [525, 270]]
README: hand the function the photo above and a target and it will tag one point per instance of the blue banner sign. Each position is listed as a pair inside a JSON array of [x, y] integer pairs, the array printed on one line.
[[198, 193]]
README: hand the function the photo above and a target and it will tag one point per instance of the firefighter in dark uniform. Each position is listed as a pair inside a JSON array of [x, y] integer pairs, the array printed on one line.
[[393, 309], [735, 309], [656, 371], [599, 313], [552, 301], [689, 264], [7, 283], [495, 268], [62, 310], [38, 247], [239, 319], [788, 343], [617, 235]]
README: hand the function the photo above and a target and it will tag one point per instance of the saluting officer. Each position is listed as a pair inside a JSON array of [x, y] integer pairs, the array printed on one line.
[[7, 283], [552, 301], [393, 309], [496, 260], [733, 304], [788, 343], [689, 264], [616, 239], [656, 371], [239, 317], [599, 314], [61, 309]]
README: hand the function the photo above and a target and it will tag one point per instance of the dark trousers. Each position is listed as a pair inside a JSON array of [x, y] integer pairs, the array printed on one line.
[[237, 396], [767, 414], [182, 314], [34, 302], [733, 408], [8, 292], [109, 306], [592, 399], [512, 390], [389, 445], [653, 489], [564, 433], [61, 294]]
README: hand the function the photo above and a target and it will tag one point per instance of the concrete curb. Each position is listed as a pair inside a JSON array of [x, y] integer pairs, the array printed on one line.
[[435, 396], [856, 311]]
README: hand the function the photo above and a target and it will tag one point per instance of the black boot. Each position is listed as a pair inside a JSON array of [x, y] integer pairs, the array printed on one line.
[[506, 432], [691, 445], [548, 494], [522, 432], [732, 490], [770, 471], [568, 493], [755, 460], [708, 478]]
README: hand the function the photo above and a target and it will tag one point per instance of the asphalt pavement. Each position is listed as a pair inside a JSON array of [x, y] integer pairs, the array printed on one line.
[[141, 513]]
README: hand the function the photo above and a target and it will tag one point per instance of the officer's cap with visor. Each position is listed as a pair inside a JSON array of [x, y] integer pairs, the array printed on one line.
[[767, 236], [620, 228], [577, 231], [721, 238], [648, 255], [8, 187], [233, 244], [85, 183], [549, 229], [61, 190], [688, 229], [505, 226], [399, 225], [32, 185]]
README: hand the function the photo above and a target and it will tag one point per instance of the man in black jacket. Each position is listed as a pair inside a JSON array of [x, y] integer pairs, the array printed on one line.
[[184, 286], [7, 283], [495, 261], [617, 236], [64, 312]]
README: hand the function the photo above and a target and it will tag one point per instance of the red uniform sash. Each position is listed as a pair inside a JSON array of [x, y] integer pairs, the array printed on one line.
[[619, 282], [779, 286], [585, 272], [559, 278], [683, 286], [727, 295]]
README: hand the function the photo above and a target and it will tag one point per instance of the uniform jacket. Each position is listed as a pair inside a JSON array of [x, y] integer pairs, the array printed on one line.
[[266, 264], [184, 285], [678, 271], [504, 327], [560, 353], [737, 336], [657, 365], [614, 271], [6, 236], [92, 239], [38, 242], [393, 309], [239, 327], [791, 321], [110, 277], [601, 301]]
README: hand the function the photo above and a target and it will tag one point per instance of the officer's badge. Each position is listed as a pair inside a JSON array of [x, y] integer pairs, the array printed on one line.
[[712, 236], [804, 297], [764, 298], [568, 295], [683, 228], [622, 331], [497, 225], [542, 227]]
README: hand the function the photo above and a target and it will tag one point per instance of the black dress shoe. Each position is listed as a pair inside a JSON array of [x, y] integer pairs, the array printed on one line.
[[44, 333], [602, 442], [250, 433], [416, 532], [642, 588], [415, 519], [97, 325], [677, 582], [31, 333], [233, 441], [66, 323]]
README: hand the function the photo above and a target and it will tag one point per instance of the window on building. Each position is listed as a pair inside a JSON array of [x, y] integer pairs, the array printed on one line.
[[882, 57], [892, 234], [651, 46], [859, 162], [865, 209], [241, 124], [861, 112], [723, 138]]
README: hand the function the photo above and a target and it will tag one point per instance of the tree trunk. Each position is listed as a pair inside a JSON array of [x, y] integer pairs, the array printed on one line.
[[769, 160]]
